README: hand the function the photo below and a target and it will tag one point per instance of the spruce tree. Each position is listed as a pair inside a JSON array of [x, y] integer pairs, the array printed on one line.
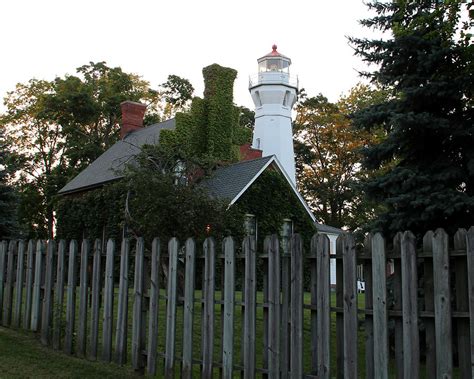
[[8, 220], [425, 165]]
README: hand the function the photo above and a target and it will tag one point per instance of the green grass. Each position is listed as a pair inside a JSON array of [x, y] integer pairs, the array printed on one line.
[[22, 356]]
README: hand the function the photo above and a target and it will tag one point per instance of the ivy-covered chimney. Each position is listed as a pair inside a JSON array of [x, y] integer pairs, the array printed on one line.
[[132, 117]]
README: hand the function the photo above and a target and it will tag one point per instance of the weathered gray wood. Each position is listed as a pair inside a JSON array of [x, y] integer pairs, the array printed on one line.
[[59, 295], [286, 232], [137, 321], [229, 303], [208, 308], [249, 249], [3, 255], [47, 312], [187, 363], [274, 288], [29, 284], [296, 354], [265, 322], [442, 300], [368, 322], [350, 307], [36, 306], [430, 346], [379, 301], [8, 301], [172, 295], [470, 286], [314, 303], [323, 320], [83, 291], [95, 294], [108, 320], [71, 297], [153, 308], [122, 309], [339, 304], [397, 299], [19, 284], [462, 305]]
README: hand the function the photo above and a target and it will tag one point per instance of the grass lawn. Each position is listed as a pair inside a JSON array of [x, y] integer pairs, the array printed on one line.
[[23, 356]]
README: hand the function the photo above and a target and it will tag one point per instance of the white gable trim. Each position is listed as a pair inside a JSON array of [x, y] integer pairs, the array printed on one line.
[[275, 161]]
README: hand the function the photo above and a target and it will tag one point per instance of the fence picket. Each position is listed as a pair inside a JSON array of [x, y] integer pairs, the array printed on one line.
[[265, 321], [19, 284], [187, 363], [274, 288], [320, 244], [368, 321], [171, 293], [296, 357], [442, 300], [83, 291], [95, 294], [470, 280], [71, 298], [46, 316], [108, 302], [430, 339], [29, 283], [154, 300], [229, 303], [313, 289], [339, 304], [208, 308], [36, 306], [122, 309], [8, 297], [137, 321], [411, 346], [59, 295], [462, 305], [249, 250], [286, 232], [397, 304], [3, 255]]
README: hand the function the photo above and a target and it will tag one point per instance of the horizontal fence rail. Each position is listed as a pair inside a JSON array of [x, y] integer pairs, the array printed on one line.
[[252, 309]]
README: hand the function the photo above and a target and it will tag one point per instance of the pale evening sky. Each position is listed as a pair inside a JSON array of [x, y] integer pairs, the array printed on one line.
[[48, 38]]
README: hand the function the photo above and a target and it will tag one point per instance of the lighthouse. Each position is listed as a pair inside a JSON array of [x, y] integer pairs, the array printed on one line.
[[274, 93]]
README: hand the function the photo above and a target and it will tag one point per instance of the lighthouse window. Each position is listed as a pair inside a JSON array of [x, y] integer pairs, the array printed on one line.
[[274, 64], [286, 98], [259, 101]]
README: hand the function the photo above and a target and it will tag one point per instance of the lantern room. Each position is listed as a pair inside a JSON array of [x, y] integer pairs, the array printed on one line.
[[274, 62]]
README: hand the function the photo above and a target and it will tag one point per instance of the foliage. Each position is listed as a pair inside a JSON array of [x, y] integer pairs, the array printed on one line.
[[426, 163], [178, 93], [8, 199], [328, 156]]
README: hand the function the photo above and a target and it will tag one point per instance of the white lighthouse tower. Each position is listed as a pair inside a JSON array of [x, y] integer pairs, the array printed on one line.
[[274, 94]]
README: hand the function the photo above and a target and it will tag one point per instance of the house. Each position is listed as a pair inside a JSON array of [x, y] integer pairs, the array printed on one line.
[[274, 93]]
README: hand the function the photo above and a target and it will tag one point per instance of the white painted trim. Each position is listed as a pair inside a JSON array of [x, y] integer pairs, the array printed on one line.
[[274, 159]]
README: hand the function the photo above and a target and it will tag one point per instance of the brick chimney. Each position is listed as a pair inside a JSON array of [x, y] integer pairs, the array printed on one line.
[[132, 117], [247, 152]]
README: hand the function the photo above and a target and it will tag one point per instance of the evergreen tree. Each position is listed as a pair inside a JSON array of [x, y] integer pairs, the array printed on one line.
[[7, 194], [425, 164]]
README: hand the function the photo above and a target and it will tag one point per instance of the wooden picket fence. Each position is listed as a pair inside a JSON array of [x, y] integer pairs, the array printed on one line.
[[76, 297]]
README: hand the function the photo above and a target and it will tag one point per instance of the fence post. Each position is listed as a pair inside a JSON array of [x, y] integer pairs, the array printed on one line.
[[187, 367], [320, 247], [19, 284], [286, 232], [137, 322], [350, 306], [59, 295], [430, 349], [29, 284], [153, 308], [229, 302], [249, 250], [36, 306], [444, 353], [3, 254], [122, 309], [172, 295], [462, 305], [470, 280], [108, 302], [208, 308], [71, 298], [96, 274], [48, 289], [83, 290], [8, 301], [274, 288], [296, 359]]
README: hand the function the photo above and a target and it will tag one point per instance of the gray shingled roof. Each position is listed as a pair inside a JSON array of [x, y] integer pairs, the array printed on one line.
[[110, 164], [227, 182]]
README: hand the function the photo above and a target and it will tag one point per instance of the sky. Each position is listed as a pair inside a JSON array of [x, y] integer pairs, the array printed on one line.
[[152, 38]]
